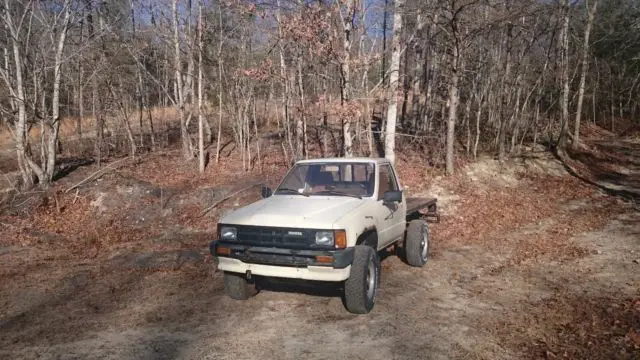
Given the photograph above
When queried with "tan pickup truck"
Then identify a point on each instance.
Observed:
(326, 221)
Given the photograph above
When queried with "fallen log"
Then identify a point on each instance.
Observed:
(98, 174)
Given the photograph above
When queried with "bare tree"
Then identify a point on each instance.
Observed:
(564, 72)
(201, 162)
(345, 73)
(19, 31)
(584, 66)
(394, 73)
(180, 96)
(454, 64)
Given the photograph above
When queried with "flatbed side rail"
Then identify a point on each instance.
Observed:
(425, 208)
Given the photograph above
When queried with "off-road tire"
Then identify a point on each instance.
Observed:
(237, 287)
(414, 247)
(359, 298)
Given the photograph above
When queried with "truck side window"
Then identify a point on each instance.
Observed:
(387, 181)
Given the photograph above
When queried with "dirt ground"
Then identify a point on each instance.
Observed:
(527, 262)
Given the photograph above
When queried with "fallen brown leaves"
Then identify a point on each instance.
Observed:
(75, 230)
(73, 226)
(526, 222)
(572, 327)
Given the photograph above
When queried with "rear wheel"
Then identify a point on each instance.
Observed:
(417, 243)
(237, 287)
(361, 287)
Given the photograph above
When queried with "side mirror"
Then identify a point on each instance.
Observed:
(392, 196)
(266, 192)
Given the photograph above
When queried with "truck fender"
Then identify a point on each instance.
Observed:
(369, 237)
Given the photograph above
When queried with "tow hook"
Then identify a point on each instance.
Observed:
(248, 274)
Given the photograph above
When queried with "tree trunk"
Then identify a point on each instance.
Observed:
(150, 118)
(467, 116)
(345, 77)
(480, 104)
(201, 162)
(184, 133)
(583, 74)
(80, 86)
(255, 127)
(383, 67)
(21, 138)
(564, 56)
(302, 122)
(505, 93)
(96, 114)
(392, 100)
(285, 81)
(219, 137)
(125, 117)
(453, 108)
(416, 98)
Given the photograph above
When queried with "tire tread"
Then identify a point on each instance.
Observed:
(412, 249)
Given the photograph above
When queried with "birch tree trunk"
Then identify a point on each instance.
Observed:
(416, 98)
(219, 137)
(184, 133)
(345, 76)
(453, 108)
(394, 72)
(301, 128)
(80, 85)
(52, 143)
(285, 81)
(585, 64)
(200, 93)
(17, 91)
(564, 57)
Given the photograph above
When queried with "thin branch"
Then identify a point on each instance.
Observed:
(228, 196)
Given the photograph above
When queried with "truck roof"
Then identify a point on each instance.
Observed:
(345, 160)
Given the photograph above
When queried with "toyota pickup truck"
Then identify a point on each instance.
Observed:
(327, 221)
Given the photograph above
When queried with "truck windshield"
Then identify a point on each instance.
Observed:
(334, 179)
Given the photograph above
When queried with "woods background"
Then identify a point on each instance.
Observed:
(446, 79)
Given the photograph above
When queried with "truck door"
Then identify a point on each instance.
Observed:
(393, 215)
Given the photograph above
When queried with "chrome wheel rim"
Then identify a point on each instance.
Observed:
(424, 243)
(371, 280)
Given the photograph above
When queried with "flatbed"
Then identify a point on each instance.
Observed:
(421, 207)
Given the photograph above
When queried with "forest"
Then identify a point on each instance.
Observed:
(328, 78)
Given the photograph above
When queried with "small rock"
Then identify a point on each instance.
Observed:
(598, 252)
(637, 261)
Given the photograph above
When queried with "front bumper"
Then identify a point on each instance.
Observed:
(285, 263)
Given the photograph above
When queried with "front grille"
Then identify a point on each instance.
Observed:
(290, 238)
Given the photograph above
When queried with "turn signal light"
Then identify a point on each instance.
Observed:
(223, 251)
(324, 259)
(340, 239)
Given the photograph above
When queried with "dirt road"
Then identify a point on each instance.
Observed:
(534, 268)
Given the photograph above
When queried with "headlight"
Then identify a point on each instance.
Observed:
(324, 238)
(228, 233)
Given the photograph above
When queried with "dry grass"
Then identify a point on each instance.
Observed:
(161, 117)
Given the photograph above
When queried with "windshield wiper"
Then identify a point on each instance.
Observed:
(291, 191)
(339, 193)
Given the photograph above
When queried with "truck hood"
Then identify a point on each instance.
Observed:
(315, 212)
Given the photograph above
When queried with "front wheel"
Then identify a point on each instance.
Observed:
(361, 287)
(237, 287)
(417, 243)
